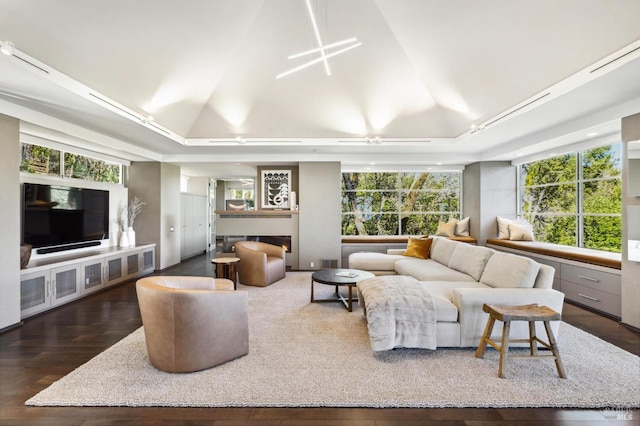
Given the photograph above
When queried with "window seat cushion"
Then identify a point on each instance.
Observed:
(579, 254)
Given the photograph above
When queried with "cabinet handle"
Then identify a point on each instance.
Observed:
(588, 297)
(589, 278)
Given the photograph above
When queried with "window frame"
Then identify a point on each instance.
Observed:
(579, 184)
(62, 172)
(401, 193)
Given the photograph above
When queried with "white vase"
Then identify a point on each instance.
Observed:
(124, 239)
(293, 200)
(131, 236)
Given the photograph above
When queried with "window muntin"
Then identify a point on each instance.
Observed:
(575, 199)
(398, 203)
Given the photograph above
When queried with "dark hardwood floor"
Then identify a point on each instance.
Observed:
(49, 346)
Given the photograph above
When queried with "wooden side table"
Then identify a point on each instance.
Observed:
(226, 267)
(530, 313)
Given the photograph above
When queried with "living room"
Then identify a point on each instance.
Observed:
(400, 112)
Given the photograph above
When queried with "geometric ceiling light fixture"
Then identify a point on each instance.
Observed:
(321, 49)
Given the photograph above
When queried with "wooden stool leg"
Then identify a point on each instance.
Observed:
(533, 345)
(504, 349)
(485, 337)
(554, 349)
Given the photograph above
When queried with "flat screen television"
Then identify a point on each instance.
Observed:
(57, 217)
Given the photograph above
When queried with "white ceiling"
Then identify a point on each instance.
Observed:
(537, 74)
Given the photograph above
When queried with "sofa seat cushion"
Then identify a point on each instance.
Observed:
(369, 261)
(470, 259)
(443, 291)
(505, 270)
(446, 311)
(428, 270)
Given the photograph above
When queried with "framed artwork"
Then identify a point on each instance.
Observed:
(276, 186)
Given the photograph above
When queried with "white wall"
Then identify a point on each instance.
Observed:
(9, 221)
(320, 233)
(198, 186)
(630, 270)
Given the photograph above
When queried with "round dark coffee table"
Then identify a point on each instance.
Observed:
(337, 278)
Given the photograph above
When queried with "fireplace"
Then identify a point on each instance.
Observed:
(276, 240)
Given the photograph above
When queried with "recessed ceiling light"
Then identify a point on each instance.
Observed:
(372, 163)
(592, 134)
(7, 48)
(438, 164)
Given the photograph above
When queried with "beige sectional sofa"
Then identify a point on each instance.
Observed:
(437, 302)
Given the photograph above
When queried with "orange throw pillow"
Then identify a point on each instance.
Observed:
(418, 247)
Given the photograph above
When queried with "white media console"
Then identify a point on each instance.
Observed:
(51, 282)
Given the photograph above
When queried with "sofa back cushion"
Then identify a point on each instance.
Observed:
(429, 270)
(470, 259)
(442, 249)
(505, 270)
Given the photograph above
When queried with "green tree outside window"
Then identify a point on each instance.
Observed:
(42, 160)
(575, 199)
(398, 203)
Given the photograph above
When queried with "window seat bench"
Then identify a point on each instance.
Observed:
(590, 278)
(579, 254)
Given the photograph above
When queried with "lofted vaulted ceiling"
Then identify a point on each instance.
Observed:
(532, 74)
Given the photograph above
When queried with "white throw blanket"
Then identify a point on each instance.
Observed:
(400, 313)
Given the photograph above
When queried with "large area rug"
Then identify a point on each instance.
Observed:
(310, 355)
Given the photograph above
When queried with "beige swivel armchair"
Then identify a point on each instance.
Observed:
(260, 264)
(189, 325)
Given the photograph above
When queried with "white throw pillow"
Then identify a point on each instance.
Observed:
(470, 259)
(503, 228)
(505, 270)
(447, 229)
(521, 232)
(462, 227)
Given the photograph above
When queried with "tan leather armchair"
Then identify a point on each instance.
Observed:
(191, 326)
(260, 264)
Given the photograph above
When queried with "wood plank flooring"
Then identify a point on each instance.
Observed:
(49, 346)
